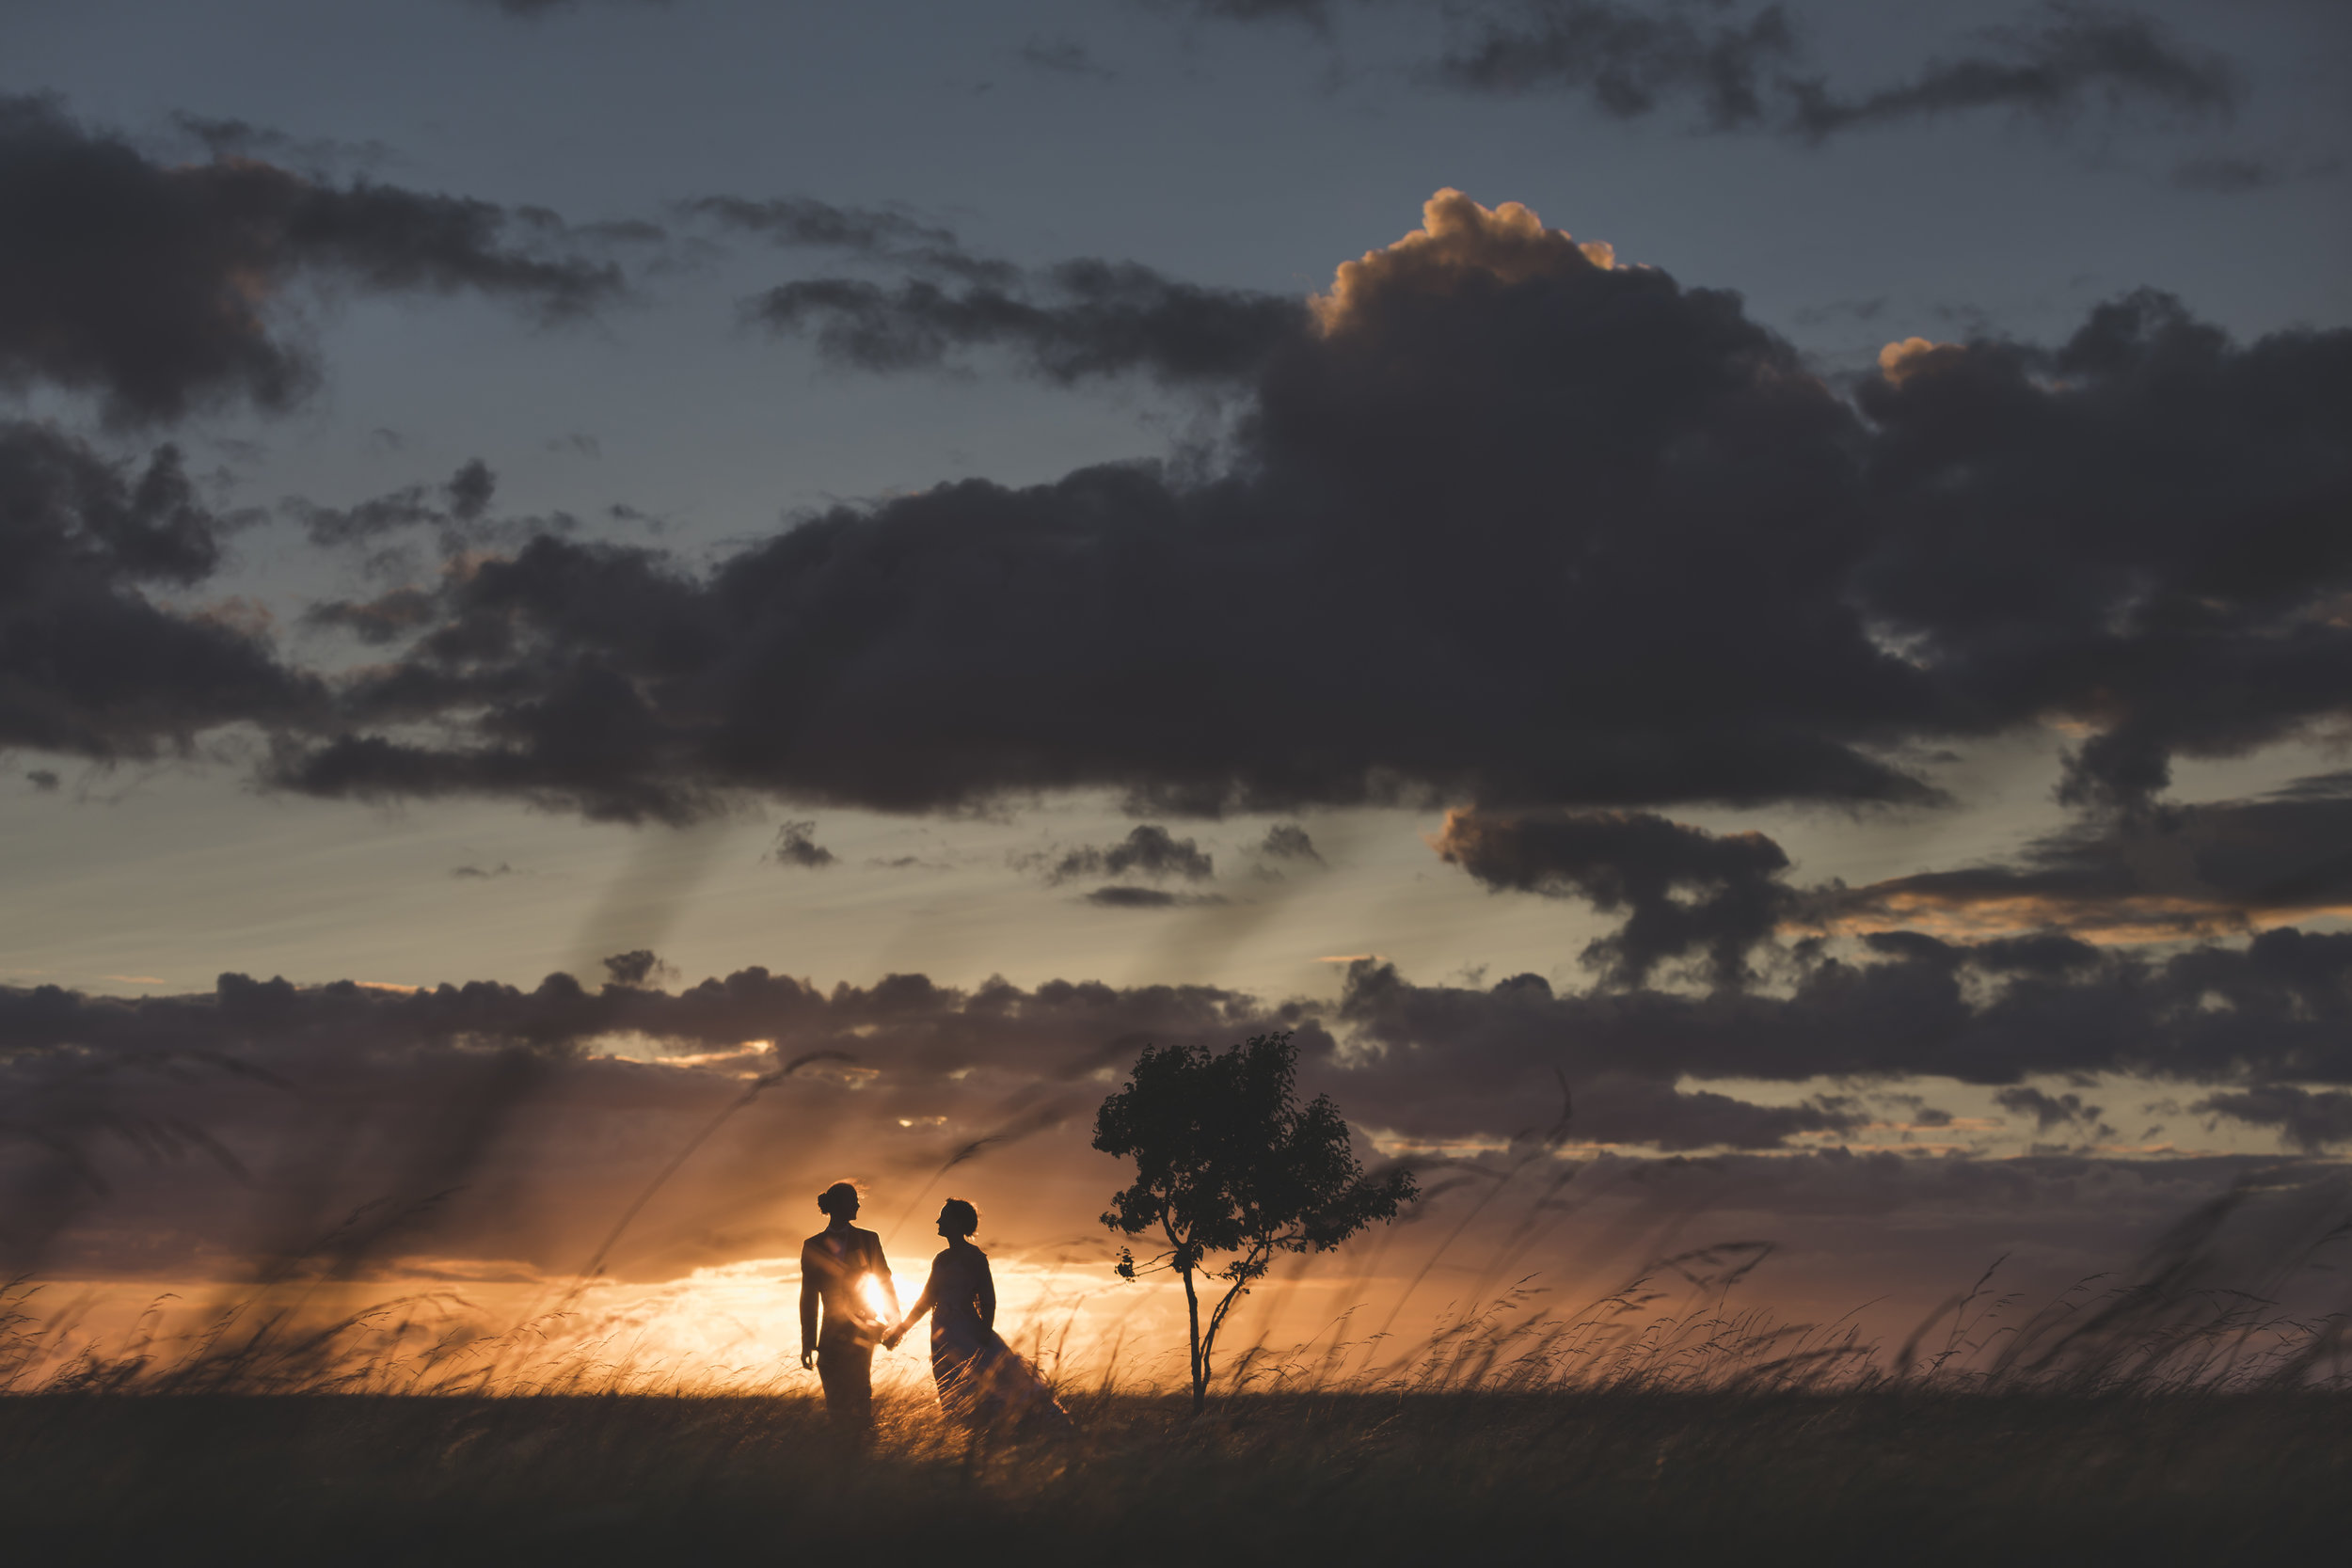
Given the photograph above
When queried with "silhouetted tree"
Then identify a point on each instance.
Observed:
(1226, 1161)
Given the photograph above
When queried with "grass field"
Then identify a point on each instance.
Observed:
(1851, 1477)
(2163, 1416)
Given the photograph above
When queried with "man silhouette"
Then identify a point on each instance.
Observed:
(835, 1264)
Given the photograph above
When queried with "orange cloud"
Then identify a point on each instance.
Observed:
(1457, 238)
(1897, 360)
(2119, 920)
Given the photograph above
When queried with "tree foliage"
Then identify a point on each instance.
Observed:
(1227, 1161)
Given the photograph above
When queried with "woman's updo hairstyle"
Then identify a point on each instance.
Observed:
(959, 1217)
(839, 1199)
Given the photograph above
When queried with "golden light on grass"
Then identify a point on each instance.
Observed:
(1674, 1325)
(453, 1326)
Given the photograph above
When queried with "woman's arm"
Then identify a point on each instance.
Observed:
(986, 1298)
(808, 1311)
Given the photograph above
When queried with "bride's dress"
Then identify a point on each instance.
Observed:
(982, 1384)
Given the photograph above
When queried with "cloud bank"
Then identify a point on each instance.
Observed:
(493, 1117)
(159, 288)
(1504, 523)
(94, 660)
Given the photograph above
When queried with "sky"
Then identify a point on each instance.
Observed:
(1782, 573)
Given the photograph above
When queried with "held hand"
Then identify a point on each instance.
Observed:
(808, 1359)
(890, 1340)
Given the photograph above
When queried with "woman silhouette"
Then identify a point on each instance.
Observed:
(838, 1267)
(983, 1386)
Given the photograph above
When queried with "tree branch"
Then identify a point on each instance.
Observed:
(1245, 1271)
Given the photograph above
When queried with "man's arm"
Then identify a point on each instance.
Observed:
(881, 1271)
(924, 1303)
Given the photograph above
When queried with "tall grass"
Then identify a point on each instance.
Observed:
(2173, 1414)
(2179, 1322)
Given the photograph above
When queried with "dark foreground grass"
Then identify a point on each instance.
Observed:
(1876, 1477)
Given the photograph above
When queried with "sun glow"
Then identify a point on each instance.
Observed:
(731, 1327)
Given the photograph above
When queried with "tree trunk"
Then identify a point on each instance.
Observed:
(1200, 1365)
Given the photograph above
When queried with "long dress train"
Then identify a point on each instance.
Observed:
(983, 1385)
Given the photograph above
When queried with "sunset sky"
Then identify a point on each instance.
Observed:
(1786, 571)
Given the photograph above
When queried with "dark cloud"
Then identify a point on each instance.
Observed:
(431, 1111)
(796, 845)
(2048, 1110)
(1288, 841)
(469, 490)
(903, 863)
(1132, 898)
(2309, 1120)
(1921, 1113)
(2149, 545)
(639, 966)
(883, 235)
(482, 1116)
(411, 506)
(158, 287)
(42, 778)
(2271, 1011)
(1492, 467)
(2053, 67)
(90, 663)
(1685, 892)
(483, 873)
(2182, 870)
(386, 618)
(450, 506)
(1117, 898)
(1066, 323)
(805, 221)
(478, 1119)
(1617, 1109)
(224, 138)
(1626, 58)
(1148, 850)
(1489, 475)
(1744, 68)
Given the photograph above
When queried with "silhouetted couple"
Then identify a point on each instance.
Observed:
(983, 1386)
